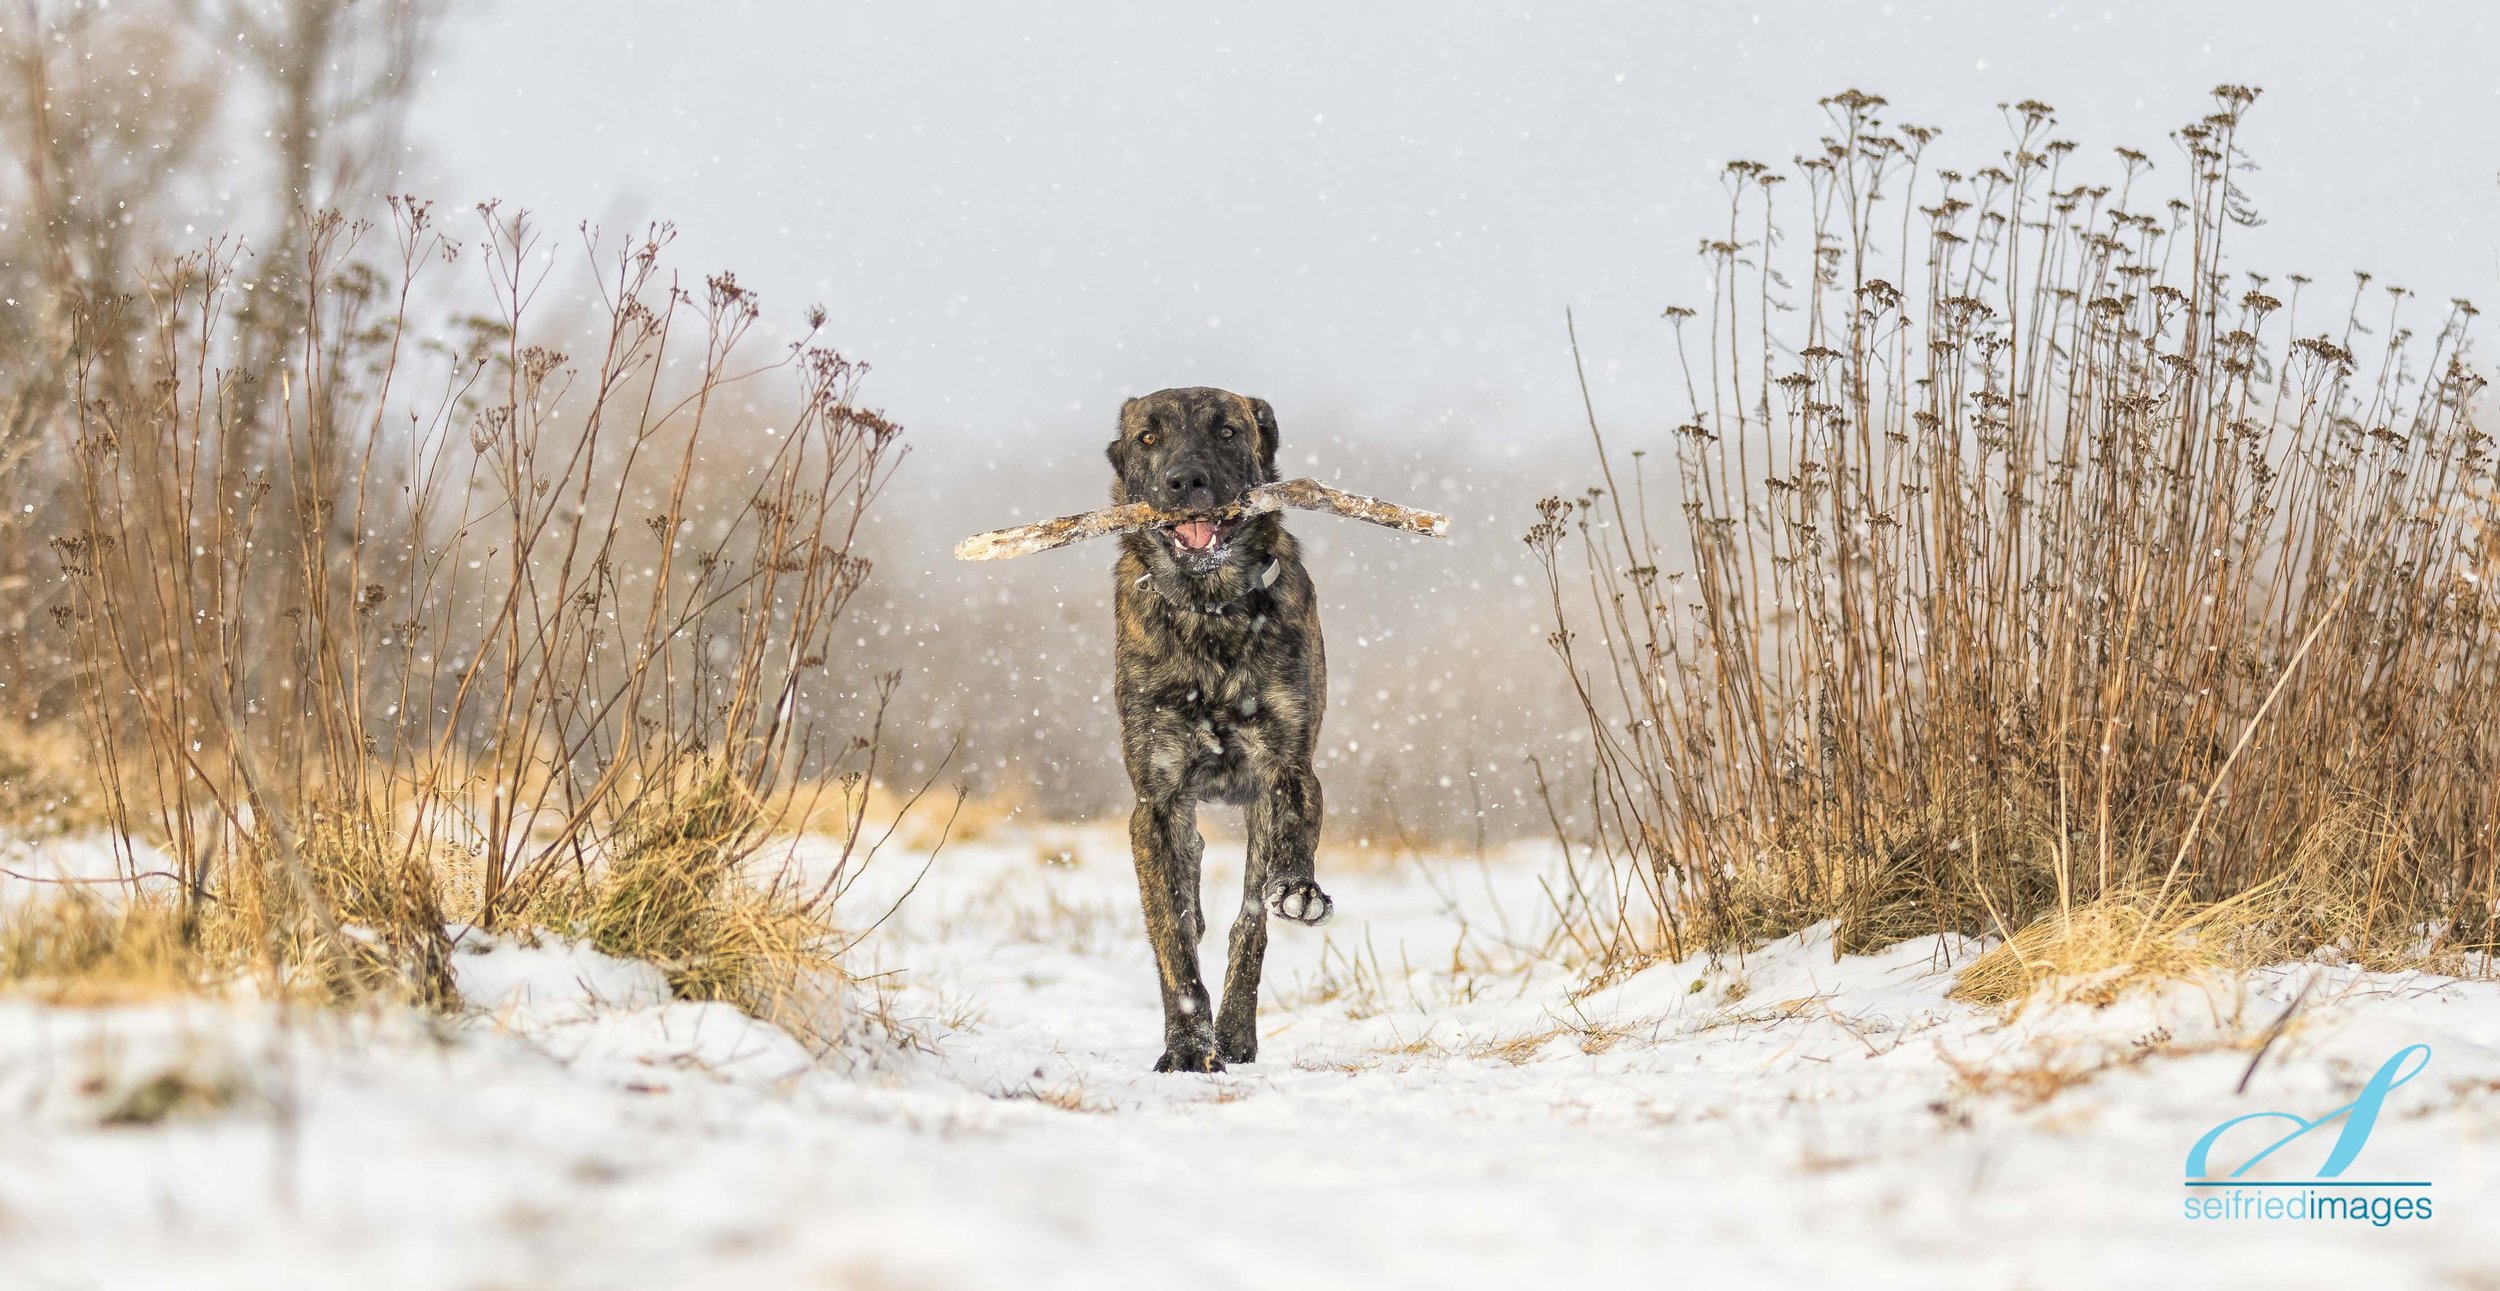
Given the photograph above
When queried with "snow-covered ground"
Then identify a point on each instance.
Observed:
(1436, 1105)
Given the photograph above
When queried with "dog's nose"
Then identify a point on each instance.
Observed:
(1189, 490)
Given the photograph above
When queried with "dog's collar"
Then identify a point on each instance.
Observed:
(1268, 574)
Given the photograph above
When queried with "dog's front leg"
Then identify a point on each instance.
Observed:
(1237, 1025)
(1276, 879)
(1163, 837)
(1292, 811)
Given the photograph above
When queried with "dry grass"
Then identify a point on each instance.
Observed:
(45, 786)
(80, 948)
(2098, 951)
(2022, 565)
(369, 924)
(342, 918)
(675, 892)
(2040, 1075)
(364, 601)
(380, 635)
(2037, 1074)
(1071, 1097)
(2341, 903)
(1516, 1050)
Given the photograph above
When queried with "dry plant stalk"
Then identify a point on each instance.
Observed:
(396, 631)
(1307, 495)
(2019, 555)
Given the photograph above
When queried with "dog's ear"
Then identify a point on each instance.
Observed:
(1265, 440)
(1131, 422)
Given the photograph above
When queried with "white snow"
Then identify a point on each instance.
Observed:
(549, 972)
(1436, 1104)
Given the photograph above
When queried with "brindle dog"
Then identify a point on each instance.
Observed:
(1221, 682)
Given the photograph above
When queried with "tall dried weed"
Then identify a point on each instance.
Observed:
(2024, 565)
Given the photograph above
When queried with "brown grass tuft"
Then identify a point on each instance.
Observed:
(77, 947)
(2100, 951)
(677, 893)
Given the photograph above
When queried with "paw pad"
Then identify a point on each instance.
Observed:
(1299, 900)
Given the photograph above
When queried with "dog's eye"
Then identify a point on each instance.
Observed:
(1149, 439)
(1227, 428)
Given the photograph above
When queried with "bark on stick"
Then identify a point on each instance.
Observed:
(1303, 495)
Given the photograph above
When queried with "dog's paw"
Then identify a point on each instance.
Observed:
(1299, 900)
(1189, 1059)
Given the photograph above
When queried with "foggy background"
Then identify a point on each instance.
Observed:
(1375, 217)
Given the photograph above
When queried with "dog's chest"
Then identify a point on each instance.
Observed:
(1222, 672)
(1212, 704)
(1214, 662)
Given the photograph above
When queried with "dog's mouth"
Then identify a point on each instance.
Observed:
(1199, 542)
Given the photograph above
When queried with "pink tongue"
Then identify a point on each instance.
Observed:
(1197, 535)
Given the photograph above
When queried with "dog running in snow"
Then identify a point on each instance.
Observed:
(1221, 682)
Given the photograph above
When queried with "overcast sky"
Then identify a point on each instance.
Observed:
(1021, 212)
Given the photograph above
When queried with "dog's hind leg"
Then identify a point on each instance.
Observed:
(1163, 837)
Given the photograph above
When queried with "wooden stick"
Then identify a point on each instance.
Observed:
(1306, 495)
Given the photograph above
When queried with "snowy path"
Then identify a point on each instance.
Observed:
(1431, 1109)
